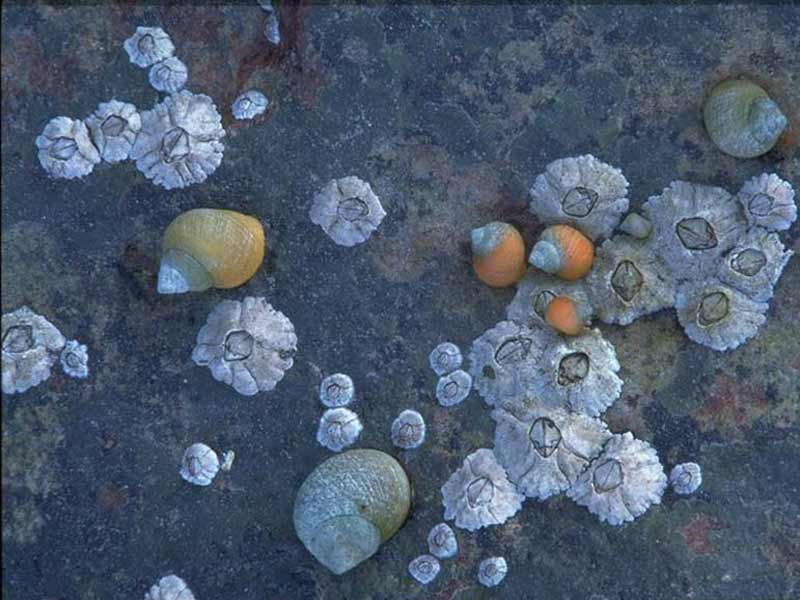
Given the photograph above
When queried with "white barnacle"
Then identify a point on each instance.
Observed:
(199, 465)
(65, 148)
(622, 482)
(636, 225)
(544, 450)
(248, 345)
(170, 587)
(336, 390)
(179, 143)
(479, 494)
(347, 210)
(148, 46)
(75, 360)
(453, 388)
(445, 358)
(536, 290)
(693, 226)
(716, 315)
(583, 192)
(629, 280)
(580, 373)
(442, 541)
(424, 568)
(248, 105)
(338, 429)
(408, 430)
(31, 345)
(685, 478)
(114, 126)
(492, 571)
(768, 202)
(755, 264)
(169, 75)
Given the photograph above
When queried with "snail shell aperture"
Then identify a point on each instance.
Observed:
(349, 505)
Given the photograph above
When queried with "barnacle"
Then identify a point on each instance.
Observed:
(336, 390)
(31, 345)
(442, 541)
(579, 373)
(75, 360)
(114, 126)
(755, 264)
(479, 493)
(544, 450)
(424, 568)
(338, 428)
(492, 571)
(179, 143)
(347, 210)
(148, 46)
(536, 290)
(583, 192)
(170, 587)
(199, 465)
(636, 226)
(445, 358)
(65, 148)
(453, 388)
(716, 315)
(622, 482)
(408, 430)
(685, 478)
(246, 344)
(169, 75)
(768, 202)
(693, 226)
(629, 280)
(248, 105)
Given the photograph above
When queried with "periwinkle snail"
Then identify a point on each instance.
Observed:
(498, 254)
(349, 505)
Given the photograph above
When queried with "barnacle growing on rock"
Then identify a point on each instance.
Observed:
(716, 315)
(179, 143)
(492, 571)
(338, 429)
(768, 202)
(248, 105)
(75, 360)
(629, 280)
(442, 541)
(445, 358)
(453, 388)
(685, 478)
(479, 493)
(114, 126)
(583, 192)
(622, 482)
(336, 390)
(246, 344)
(347, 210)
(636, 226)
(65, 148)
(408, 430)
(544, 450)
(148, 46)
(169, 75)
(199, 465)
(424, 568)
(755, 264)
(536, 290)
(170, 587)
(31, 345)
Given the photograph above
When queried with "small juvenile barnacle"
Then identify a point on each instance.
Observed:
(536, 290)
(693, 226)
(248, 105)
(629, 280)
(114, 126)
(408, 430)
(338, 429)
(248, 345)
(442, 541)
(445, 358)
(583, 192)
(479, 494)
(492, 571)
(148, 46)
(347, 210)
(544, 450)
(716, 315)
(199, 465)
(622, 482)
(170, 587)
(31, 345)
(65, 148)
(636, 226)
(424, 568)
(75, 360)
(579, 373)
(336, 390)
(685, 478)
(169, 75)
(179, 143)
(755, 264)
(453, 388)
(768, 202)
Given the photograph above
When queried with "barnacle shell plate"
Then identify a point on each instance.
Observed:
(114, 126)
(31, 345)
(347, 210)
(65, 148)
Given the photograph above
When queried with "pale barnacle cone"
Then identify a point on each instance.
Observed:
(347, 210)
(336, 390)
(114, 126)
(148, 45)
(445, 358)
(65, 148)
(583, 192)
(248, 105)
(199, 465)
(536, 290)
(755, 264)
(424, 568)
(622, 482)
(408, 430)
(442, 542)
(768, 202)
(338, 429)
(169, 75)
(686, 478)
(31, 346)
(453, 388)
(492, 571)
(75, 360)
(170, 587)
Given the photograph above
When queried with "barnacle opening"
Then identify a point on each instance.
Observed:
(748, 262)
(760, 204)
(451, 389)
(18, 339)
(608, 476)
(488, 372)
(408, 434)
(441, 537)
(480, 492)
(194, 466)
(425, 567)
(573, 368)
(73, 360)
(352, 209)
(685, 478)
(513, 350)
(714, 307)
(545, 436)
(696, 233)
(238, 345)
(489, 568)
(146, 44)
(333, 391)
(579, 201)
(63, 148)
(541, 300)
(113, 125)
(627, 280)
(175, 145)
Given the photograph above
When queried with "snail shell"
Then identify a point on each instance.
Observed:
(563, 251)
(349, 505)
(206, 247)
(742, 120)
(567, 316)
(498, 254)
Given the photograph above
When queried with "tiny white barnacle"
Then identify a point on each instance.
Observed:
(479, 493)
(248, 105)
(424, 568)
(227, 460)
(492, 571)
(170, 587)
(66, 149)
(338, 429)
(148, 46)
(408, 430)
(583, 192)
(336, 390)
(755, 264)
(685, 478)
(768, 202)
(75, 360)
(445, 358)
(635, 225)
(453, 388)
(114, 126)
(169, 75)
(536, 290)
(347, 210)
(199, 465)
(442, 541)
(31, 345)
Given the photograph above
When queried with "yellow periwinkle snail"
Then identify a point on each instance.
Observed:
(208, 247)
(349, 505)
